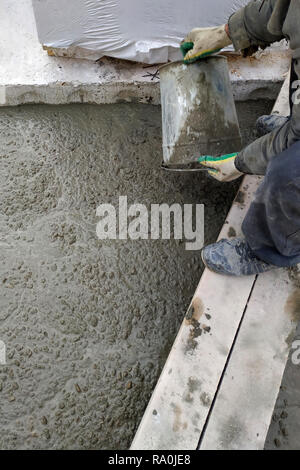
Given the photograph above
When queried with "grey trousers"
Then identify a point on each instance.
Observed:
(272, 224)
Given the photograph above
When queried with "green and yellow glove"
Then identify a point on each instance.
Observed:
(221, 168)
(202, 42)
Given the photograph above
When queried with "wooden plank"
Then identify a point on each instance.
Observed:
(181, 401)
(245, 402)
(243, 410)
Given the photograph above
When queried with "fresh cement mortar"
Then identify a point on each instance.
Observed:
(87, 323)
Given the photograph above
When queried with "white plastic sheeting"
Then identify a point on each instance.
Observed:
(148, 31)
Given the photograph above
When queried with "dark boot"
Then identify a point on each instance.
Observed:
(233, 258)
(267, 124)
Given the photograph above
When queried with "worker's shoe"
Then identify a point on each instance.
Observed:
(268, 123)
(233, 258)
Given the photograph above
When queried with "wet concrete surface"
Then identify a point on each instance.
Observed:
(88, 324)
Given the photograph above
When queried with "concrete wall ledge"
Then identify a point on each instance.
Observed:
(29, 75)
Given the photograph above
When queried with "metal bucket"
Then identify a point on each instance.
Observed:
(198, 111)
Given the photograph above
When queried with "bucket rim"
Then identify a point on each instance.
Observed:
(180, 62)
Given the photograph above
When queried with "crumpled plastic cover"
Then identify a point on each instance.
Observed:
(148, 31)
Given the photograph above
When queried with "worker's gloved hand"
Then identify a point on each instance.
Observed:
(221, 168)
(201, 42)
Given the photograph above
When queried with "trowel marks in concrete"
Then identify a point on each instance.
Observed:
(87, 324)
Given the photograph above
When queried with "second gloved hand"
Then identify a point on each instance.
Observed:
(201, 42)
(221, 168)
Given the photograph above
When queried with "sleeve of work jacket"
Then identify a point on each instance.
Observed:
(262, 23)
(249, 26)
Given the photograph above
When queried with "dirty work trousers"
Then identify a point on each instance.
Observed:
(272, 224)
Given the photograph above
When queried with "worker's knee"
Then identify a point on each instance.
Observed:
(284, 168)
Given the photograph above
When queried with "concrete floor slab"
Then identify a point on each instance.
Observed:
(87, 323)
